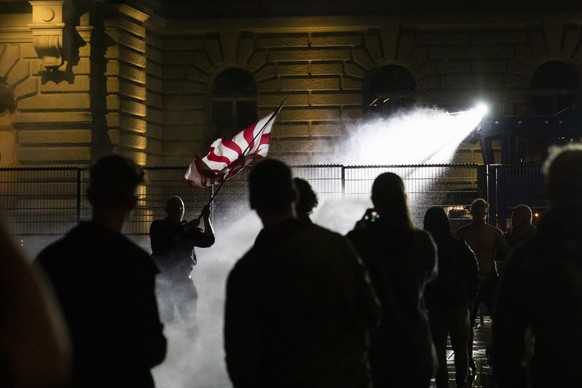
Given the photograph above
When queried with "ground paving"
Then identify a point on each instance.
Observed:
(483, 377)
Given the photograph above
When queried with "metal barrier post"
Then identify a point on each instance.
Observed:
(492, 184)
(79, 176)
(343, 181)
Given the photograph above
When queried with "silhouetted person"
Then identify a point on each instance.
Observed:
(450, 296)
(401, 260)
(307, 199)
(521, 227)
(298, 305)
(540, 292)
(173, 240)
(106, 286)
(488, 243)
(35, 350)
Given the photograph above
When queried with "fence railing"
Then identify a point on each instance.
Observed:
(42, 204)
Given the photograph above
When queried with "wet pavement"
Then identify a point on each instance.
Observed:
(483, 376)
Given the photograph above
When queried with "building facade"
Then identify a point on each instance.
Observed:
(159, 81)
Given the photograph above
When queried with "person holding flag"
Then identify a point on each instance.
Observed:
(173, 241)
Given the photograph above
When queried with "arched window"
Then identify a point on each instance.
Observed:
(554, 86)
(233, 103)
(389, 89)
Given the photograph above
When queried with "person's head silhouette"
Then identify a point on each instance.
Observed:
(563, 170)
(271, 188)
(389, 199)
(307, 198)
(436, 222)
(112, 190)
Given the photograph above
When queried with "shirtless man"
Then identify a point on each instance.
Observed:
(486, 241)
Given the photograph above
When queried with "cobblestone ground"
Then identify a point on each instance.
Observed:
(483, 377)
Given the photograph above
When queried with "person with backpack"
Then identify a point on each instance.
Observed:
(450, 296)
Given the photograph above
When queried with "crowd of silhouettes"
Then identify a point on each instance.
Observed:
(305, 306)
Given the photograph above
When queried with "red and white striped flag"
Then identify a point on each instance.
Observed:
(227, 158)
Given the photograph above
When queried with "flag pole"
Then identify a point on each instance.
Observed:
(273, 115)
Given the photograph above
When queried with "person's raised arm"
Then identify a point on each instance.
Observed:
(203, 239)
(208, 230)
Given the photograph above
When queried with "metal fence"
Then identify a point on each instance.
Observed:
(42, 204)
(509, 186)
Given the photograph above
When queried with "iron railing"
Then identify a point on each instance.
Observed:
(42, 204)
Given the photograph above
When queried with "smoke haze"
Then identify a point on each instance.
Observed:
(421, 137)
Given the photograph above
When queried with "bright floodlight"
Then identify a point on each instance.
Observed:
(482, 109)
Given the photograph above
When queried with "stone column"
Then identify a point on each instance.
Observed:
(124, 74)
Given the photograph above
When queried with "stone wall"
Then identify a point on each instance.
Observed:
(51, 124)
(189, 61)
(91, 105)
(125, 77)
(154, 95)
(142, 85)
(320, 67)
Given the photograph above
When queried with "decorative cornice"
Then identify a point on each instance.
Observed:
(15, 35)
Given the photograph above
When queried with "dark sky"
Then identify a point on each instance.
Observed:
(265, 8)
(252, 8)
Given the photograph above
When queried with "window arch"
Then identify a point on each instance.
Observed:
(233, 103)
(554, 86)
(389, 89)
